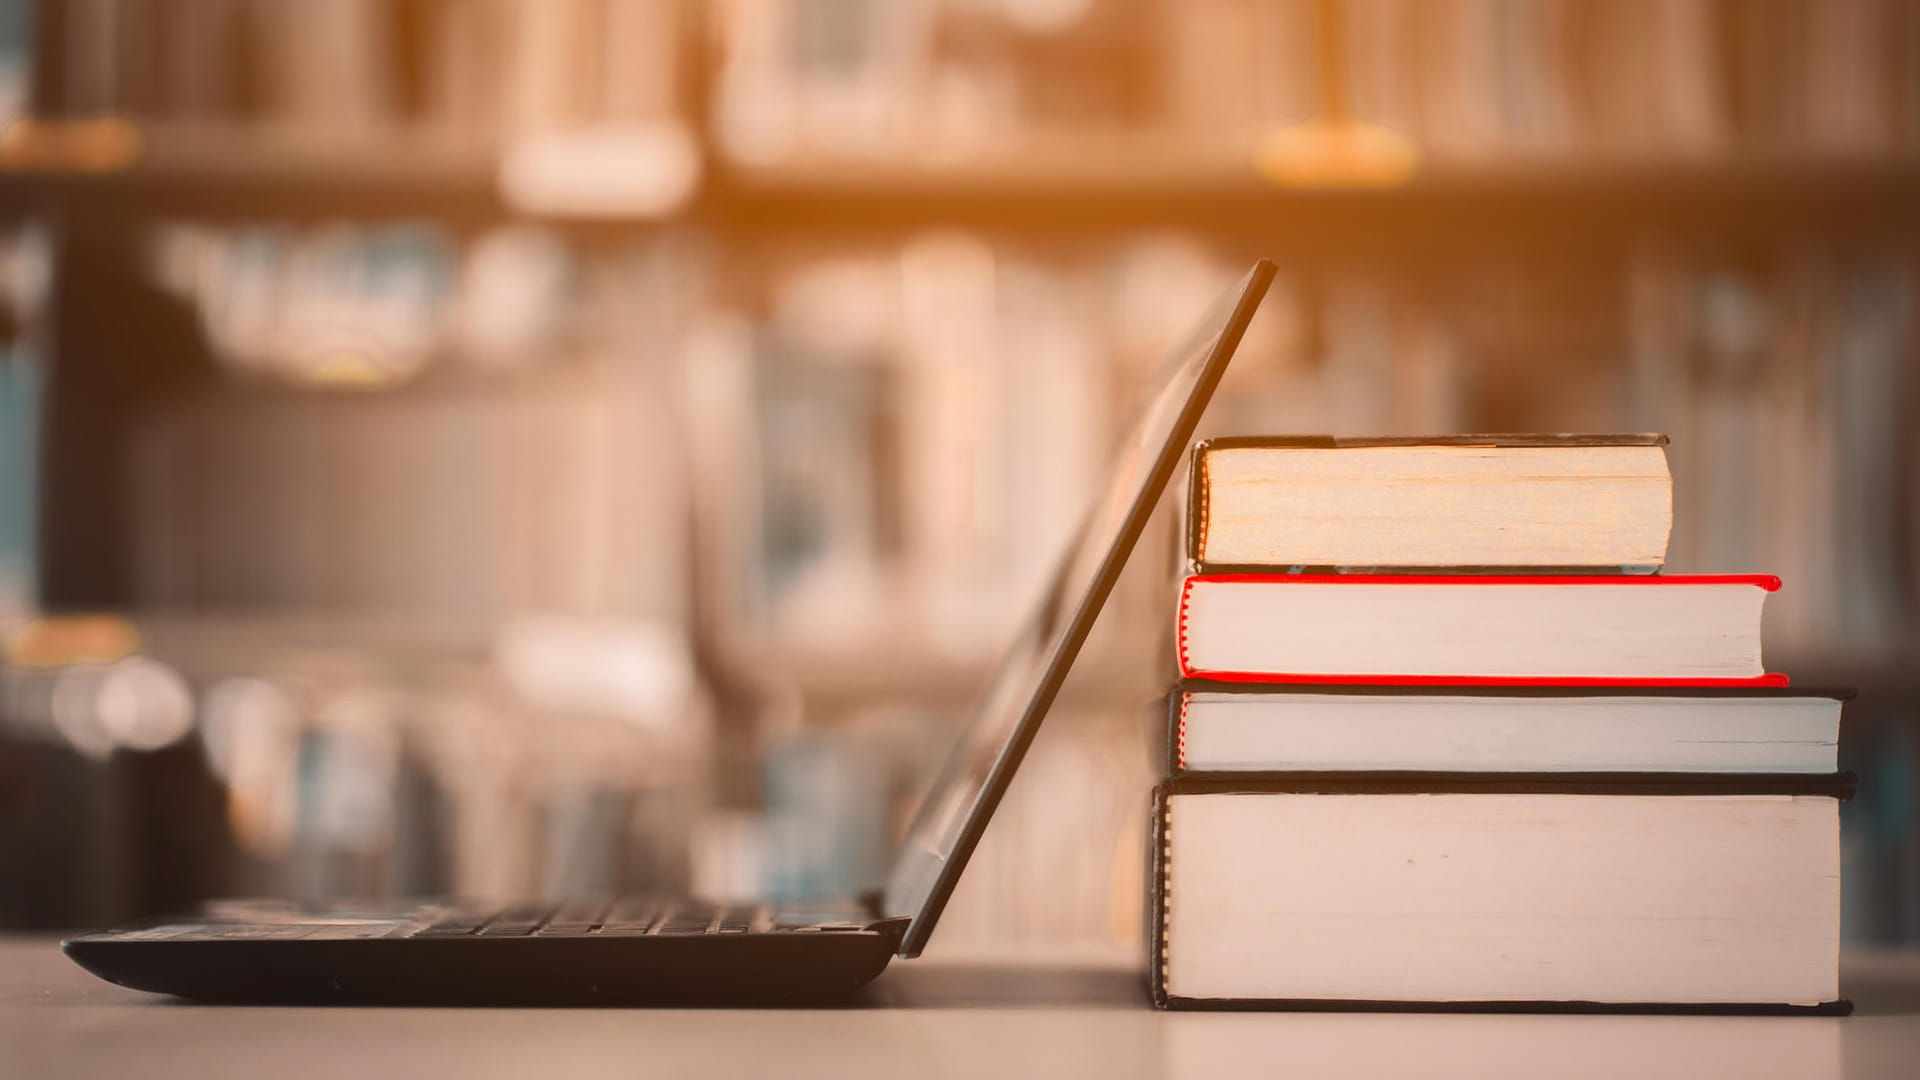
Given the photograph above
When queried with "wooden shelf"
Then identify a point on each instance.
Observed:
(1541, 206)
(1055, 187)
(231, 173)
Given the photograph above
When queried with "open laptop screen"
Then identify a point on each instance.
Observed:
(1008, 712)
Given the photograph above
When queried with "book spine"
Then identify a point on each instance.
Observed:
(1181, 613)
(1160, 895)
(1199, 503)
(1178, 704)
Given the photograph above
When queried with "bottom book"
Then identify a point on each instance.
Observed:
(1710, 894)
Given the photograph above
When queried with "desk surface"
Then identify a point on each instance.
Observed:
(1078, 1015)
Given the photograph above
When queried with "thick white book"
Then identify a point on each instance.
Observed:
(1498, 894)
(1241, 728)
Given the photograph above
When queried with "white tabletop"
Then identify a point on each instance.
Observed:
(1066, 1016)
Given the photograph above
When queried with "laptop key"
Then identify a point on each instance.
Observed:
(508, 929)
(517, 920)
(737, 920)
(453, 924)
(697, 925)
(573, 929)
(259, 933)
(632, 913)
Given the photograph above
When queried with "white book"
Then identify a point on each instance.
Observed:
(1498, 899)
(1693, 630)
(1594, 502)
(1223, 728)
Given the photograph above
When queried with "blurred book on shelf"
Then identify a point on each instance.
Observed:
(1466, 81)
(352, 68)
(19, 419)
(901, 449)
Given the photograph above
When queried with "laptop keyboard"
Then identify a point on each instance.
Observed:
(625, 917)
(634, 916)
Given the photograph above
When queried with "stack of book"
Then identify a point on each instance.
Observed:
(1445, 737)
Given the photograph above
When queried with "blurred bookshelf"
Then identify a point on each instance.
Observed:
(765, 348)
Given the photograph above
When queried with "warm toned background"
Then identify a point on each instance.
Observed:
(517, 448)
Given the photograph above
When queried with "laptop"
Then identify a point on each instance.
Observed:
(681, 950)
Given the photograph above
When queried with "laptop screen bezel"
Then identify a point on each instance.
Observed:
(1065, 643)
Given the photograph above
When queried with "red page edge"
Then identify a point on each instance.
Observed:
(1765, 581)
(1772, 678)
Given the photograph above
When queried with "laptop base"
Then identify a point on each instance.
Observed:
(290, 960)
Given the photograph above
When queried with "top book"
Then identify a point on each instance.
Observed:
(1563, 503)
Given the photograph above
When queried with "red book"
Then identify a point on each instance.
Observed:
(1682, 630)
